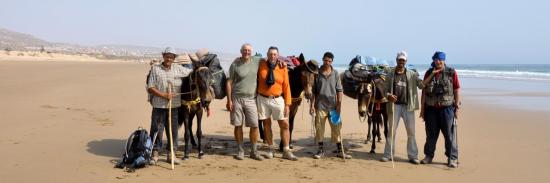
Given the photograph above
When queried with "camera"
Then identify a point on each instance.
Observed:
(438, 89)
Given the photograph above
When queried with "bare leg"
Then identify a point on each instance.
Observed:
(285, 132)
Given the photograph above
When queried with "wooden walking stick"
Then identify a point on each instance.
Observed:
(172, 155)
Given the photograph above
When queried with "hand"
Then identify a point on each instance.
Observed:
(287, 109)
(208, 113)
(311, 110)
(167, 96)
(456, 112)
(435, 70)
(282, 64)
(229, 106)
(392, 98)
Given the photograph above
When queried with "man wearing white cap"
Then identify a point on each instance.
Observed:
(401, 90)
(161, 76)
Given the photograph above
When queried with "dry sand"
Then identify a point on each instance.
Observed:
(52, 57)
(68, 121)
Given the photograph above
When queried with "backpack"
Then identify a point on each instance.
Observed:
(219, 78)
(138, 150)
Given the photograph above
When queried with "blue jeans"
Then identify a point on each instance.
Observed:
(440, 119)
(400, 111)
(159, 123)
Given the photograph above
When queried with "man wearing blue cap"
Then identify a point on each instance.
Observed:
(440, 104)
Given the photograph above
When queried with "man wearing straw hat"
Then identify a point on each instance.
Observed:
(164, 84)
(327, 97)
(401, 90)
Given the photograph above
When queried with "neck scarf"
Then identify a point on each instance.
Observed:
(270, 77)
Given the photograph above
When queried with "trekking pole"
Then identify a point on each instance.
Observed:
(172, 155)
(455, 138)
(342, 146)
(392, 136)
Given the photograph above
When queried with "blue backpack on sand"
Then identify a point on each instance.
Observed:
(138, 150)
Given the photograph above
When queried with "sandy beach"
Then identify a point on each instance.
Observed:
(68, 122)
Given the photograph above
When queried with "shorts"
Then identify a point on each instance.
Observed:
(271, 108)
(244, 111)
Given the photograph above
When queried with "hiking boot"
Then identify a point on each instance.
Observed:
(343, 156)
(256, 156)
(289, 156)
(414, 161)
(385, 159)
(176, 160)
(269, 154)
(453, 163)
(240, 155)
(154, 158)
(319, 154)
(427, 160)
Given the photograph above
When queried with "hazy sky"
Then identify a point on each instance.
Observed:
(470, 31)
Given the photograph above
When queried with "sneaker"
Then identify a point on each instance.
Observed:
(319, 154)
(453, 163)
(176, 160)
(240, 155)
(256, 155)
(414, 161)
(289, 156)
(343, 155)
(269, 154)
(427, 160)
(385, 159)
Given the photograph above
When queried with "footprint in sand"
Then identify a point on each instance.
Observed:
(48, 106)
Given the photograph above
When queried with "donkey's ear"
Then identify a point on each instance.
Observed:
(302, 59)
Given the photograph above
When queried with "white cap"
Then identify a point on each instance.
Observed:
(402, 55)
(170, 50)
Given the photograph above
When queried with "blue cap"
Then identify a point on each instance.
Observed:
(439, 55)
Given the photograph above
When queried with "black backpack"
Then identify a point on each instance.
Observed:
(138, 150)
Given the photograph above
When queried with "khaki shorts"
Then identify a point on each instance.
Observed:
(271, 108)
(244, 111)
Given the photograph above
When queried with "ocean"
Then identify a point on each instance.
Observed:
(527, 72)
(516, 86)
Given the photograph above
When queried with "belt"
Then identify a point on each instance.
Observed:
(270, 97)
(440, 106)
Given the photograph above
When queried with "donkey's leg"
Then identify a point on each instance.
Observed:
(385, 121)
(186, 124)
(199, 132)
(375, 130)
(378, 123)
(191, 137)
(369, 134)
(261, 129)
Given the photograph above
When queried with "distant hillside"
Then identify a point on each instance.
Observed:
(16, 40)
(11, 40)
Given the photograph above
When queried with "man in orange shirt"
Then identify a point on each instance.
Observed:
(274, 100)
